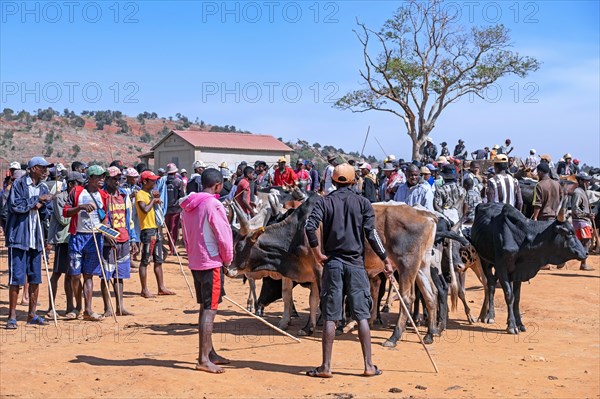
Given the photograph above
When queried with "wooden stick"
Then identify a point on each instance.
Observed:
(596, 245)
(394, 284)
(104, 275)
(46, 266)
(365, 143)
(260, 319)
(380, 146)
(179, 259)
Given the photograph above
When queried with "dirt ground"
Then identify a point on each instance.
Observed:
(152, 354)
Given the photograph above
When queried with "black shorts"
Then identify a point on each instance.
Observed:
(210, 287)
(62, 259)
(342, 279)
(151, 245)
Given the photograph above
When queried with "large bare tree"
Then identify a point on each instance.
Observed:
(428, 60)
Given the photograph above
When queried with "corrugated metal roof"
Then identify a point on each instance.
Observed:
(240, 141)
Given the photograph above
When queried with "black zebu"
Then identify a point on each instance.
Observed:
(517, 247)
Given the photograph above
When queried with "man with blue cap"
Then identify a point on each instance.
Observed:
(26, 204)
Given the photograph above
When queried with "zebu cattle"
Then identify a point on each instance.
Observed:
(517, 247)
(282, 250)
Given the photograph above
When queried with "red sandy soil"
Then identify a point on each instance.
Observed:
(153, 353)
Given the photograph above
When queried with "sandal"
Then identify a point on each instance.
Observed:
(93, 317)
(376, 373)
(72, 315)
(37, 321)
(11, 324)
(318, 374)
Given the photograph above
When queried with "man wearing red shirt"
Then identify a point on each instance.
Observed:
(284, 175)
(242, 194)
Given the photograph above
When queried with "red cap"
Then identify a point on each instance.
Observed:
(148, 175)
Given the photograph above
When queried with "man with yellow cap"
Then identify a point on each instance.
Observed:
(503, 187)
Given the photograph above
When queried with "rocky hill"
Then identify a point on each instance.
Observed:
(102, 136)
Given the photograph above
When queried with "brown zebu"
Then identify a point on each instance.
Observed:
(281, 250)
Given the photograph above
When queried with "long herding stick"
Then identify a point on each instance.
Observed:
(365, 143)
(395, 285)
(46, 265)
(380, 146)
(261, 319)
(100, 259)
(177, 253)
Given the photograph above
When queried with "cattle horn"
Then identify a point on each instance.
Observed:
(244, 224)
(562, 210)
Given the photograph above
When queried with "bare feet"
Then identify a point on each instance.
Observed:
(209, 368)
(216, 359)
(165, 291)
(107, 314)
(147, 294)
(124, 312)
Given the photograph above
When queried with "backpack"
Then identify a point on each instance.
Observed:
(173, 185)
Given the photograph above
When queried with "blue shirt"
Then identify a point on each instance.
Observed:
(421, 194)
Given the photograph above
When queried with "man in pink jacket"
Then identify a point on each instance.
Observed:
(209, 244)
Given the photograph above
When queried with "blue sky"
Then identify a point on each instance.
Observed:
(275, 67)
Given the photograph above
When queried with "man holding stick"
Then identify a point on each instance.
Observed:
(86, 206)
(347, 219)
(209, 244)
(116, 255)
(27, 202)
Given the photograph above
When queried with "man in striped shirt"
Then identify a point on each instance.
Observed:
(503, 187)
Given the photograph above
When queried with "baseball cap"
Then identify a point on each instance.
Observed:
(431, 167)
(425, 170)
(60, 167)
(38, 161)
(15, 165)
(75, 176)
(149, 175)
(183, 171)
(113, 171)
(131, 172)
(502, 158)
(95, 170)
(365, 166)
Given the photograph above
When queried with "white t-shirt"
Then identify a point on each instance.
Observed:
(86, 221)
(327, 177)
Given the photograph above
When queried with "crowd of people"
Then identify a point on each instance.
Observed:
(46, 206)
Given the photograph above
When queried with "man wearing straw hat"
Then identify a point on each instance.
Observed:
(209, 243)
(87, 208)
(26, 203)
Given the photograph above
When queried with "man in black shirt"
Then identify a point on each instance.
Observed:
(347, 219)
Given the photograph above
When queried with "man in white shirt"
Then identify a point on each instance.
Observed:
(328, 186)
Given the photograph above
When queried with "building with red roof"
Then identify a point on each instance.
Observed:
(183, 147)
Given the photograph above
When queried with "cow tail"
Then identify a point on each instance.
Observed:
(453, 279)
